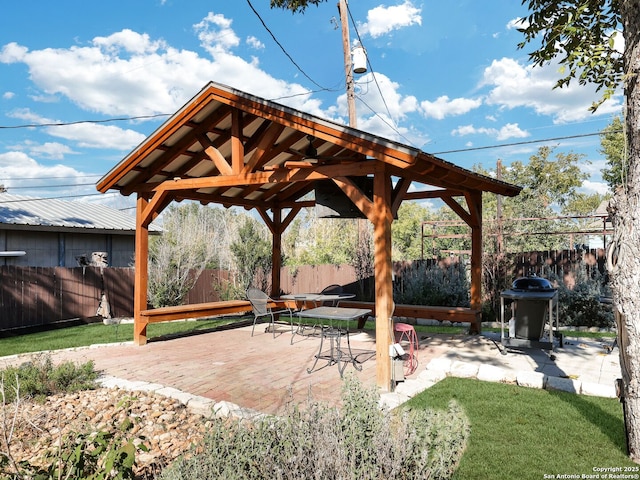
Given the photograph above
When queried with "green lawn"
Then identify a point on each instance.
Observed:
(524, 433)
(97, 333)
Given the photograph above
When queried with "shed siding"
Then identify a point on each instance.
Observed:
(52, 249)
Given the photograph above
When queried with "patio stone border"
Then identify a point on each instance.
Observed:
(195, 403)
(442, 367)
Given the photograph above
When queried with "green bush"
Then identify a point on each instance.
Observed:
(91, 456)
(579, 299)
(359, 440)
(39, 378)
(423, 284)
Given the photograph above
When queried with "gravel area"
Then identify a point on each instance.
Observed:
(164, 425)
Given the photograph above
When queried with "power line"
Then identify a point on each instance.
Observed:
(528, 142)
(52, 178)
(284, 50)
(49, 186)
(309, 92)
(56, 198)
(77, 122)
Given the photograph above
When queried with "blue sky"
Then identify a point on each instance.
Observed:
(445, 76)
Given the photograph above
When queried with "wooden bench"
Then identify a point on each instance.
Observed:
(197, 310)
(451, 314)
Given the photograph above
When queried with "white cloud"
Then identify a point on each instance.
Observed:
(513, 85)
(17, 166)
(254, 42)
(131, 74)
(444, 107)
(53, 150)
(86, 135)
(92, 135)
(129, 41)
(382, 20)
(8, 95)
(386, 98)
(517, 23)
(464, 130)
(510, 130)
(12, 53)
(589, 187)
(215, 33)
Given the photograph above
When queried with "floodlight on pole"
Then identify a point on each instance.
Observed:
(359, 58)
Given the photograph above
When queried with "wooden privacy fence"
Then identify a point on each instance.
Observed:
(38, 296)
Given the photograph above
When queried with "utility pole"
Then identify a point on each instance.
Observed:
(348, 67)
(499, 212)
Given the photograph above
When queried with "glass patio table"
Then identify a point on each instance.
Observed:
(335, 353)
(305, 300)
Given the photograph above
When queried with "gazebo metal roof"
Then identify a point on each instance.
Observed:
(283, 152)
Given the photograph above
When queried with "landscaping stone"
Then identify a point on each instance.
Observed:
(564, 384)
(410, 388)
(228, 409)
(491, 373)
(179, 395)
(432, 376)
(464, 369)
(428, 321)
(440, 364)
(598, 390)
(531, 379)
(164, 425)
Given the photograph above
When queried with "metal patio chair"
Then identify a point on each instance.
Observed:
(261, 306)
(331, 290)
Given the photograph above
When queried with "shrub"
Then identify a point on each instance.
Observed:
(38, 378)
(95, 455)
(579, 298)
(92, 456)
(321, 442)
(423, 284)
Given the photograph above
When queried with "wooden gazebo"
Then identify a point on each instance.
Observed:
(234, 149)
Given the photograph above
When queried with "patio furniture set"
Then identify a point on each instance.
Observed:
(324, 309)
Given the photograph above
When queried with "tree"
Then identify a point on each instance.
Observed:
(549, 188)
(294, 5)
(613, 145)
(252, 252)
(580, 34)
(180, 254)
(406, 231)
(320, 241)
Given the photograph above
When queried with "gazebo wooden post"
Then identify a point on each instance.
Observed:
(276, 252)
(476, 255)
(383, 276)
(141, 276)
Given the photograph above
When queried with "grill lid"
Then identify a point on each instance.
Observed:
(532, 283)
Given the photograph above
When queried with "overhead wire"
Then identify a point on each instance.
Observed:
(301, 94)
(50, 186)
(56, 177)
(40, 199)
(77, 122)
(525, 142)
(284, 50)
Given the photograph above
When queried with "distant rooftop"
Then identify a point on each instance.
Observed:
(18, 211)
